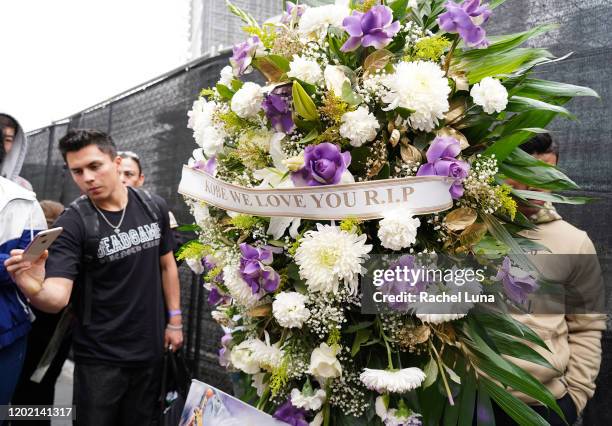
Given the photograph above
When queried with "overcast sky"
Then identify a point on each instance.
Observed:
(61, 56)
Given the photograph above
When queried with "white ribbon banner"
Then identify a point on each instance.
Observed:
(360, 200)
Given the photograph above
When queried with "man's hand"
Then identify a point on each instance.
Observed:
(173, 339)
(29, 276)
(173, 336)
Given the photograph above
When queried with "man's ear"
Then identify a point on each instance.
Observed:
(141, 180)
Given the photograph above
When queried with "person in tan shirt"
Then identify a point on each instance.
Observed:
(573, 336)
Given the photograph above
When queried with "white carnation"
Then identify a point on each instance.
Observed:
(226, 76)
(421, 87)
(359, 126)
(328, 256)
(308, 402)
(238, 288)
(315, 20)
(205, 131)
(335, 79)
(490, 94)
(398, 229)
(384, 381)
(305, 69)
(246, 102)
(289, 309)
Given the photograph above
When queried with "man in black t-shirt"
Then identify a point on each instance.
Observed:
(118, 282)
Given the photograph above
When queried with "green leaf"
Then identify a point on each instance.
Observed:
(491, 363)
(497, 230)
(349, 96)
(494, 3)
(236, 84)
(303, 104)
(506, 324)
(522, 167)
(522, 413)
(404, 112)
(504, 43)
(453, 376)
(549, 196)
(508, 345)
(431, 373)
(189, 228)
(312, 135)
(468, 397)
(484, 412)
(399, 8)
(533, 87)
(520, 104)
(361, 337)
(244, 16)
(504, 146)
(359, 326)
(224, 91)
(501, 63)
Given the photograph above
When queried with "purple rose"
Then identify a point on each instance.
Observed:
(277, 107)
(255, 269)
(373, 28)
(324, 164)
(441, 161)
(291, 414)
(465, 19)
(517, 284)
(243, 55)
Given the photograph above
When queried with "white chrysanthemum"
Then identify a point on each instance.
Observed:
(289, 309)
(398, 229)
(226, 76)
(246, 102)
(421, 87)
(359, 126)
(308, 402)
(384, 381)
(329, 255)
(205, 132)
(305, 69)
(268, 356)
(490, 94)
(237, 287)
(315, 20)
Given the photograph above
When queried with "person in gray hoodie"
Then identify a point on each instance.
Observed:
(15, 145)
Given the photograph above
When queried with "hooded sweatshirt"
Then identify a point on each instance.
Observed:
(21, 217)
(13, 161)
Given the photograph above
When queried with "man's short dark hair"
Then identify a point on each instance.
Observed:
(2, 152)
(542, 143)
(77, 139)
(8, 121)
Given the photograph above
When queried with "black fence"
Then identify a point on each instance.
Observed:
(151, 121)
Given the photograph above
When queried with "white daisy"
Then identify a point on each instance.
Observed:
(328, 256)
(383, 381)
(421, 87)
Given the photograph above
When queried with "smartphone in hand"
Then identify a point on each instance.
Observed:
(40, 243)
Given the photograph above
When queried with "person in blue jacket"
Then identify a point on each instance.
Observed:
(21, 217)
